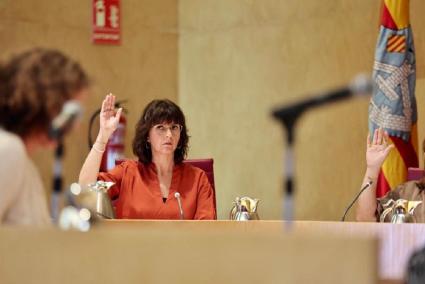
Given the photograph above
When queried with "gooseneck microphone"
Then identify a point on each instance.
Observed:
(355, 199)
(179, 201)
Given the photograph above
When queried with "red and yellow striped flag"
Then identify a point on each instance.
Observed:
(393, 104)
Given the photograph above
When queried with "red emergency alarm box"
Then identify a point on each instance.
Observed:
(106, 22)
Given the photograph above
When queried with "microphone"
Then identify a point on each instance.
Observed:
(179, 201)
(63, 121)
(360, 86)
(355, 199)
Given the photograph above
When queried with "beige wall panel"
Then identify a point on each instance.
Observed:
(142, 68)
(240, 59)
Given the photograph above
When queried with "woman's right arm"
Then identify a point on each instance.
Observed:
(377, 150)
(108, 123)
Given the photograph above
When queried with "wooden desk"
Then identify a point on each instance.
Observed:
(186, 252)
(397, 242)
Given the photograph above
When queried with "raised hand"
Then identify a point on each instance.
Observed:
(377, 150)
(108, 118)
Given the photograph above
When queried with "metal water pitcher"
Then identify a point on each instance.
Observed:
(87, 206)
(104, 207)
(244, 209)
(95, 198)
(400, 211)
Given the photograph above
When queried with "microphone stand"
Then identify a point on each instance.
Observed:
(57, 180)
(288, 120)
(288, 116)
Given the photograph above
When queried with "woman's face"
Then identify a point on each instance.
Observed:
(164, 138)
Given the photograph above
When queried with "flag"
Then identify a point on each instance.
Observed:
(393, 104)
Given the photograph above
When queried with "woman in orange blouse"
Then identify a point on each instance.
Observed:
(145, 189)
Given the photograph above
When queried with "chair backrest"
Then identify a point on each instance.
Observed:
(415, 173)
(207, 165)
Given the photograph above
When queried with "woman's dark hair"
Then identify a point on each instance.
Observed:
(34, 86)
(157, 112)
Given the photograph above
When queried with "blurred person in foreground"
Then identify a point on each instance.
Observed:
(371, 209)
(145, 189)
(34, 86)
(416, 268)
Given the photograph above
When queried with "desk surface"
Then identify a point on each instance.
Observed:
(397, 241)
(187, 252)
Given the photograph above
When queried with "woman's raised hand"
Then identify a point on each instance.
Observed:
(108, 118)
(377, 150)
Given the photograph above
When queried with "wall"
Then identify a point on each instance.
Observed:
(142, 68)
(238, 60)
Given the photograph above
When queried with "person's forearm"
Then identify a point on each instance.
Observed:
(90, 169)
(366, 206)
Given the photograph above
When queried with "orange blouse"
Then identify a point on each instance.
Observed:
(139, 196)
